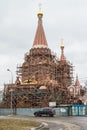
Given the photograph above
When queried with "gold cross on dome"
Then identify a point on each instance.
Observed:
(62, 41)
(40, 7)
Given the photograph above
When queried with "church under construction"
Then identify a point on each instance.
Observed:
(43, 79)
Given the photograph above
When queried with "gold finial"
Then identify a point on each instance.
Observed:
(40, 14)
(62, 51)
(62, 45)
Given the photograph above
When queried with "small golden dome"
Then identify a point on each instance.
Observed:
(40, 14)
(62, 46)
(43, 88)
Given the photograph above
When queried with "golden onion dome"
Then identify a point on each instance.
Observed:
(62, 46)
(43, 88)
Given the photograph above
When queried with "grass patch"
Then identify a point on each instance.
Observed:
(17, 124)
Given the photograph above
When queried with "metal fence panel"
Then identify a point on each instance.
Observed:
(79, 110)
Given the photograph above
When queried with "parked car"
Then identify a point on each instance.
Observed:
(45, 112)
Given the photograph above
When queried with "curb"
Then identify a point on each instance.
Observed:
(43, 125)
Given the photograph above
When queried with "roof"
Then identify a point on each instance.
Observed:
(77, 83)
(40, 39)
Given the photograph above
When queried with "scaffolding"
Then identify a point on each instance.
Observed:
(44, 79)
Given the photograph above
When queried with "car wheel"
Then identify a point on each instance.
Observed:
(51, 115)
(40, 115)
(35, 115)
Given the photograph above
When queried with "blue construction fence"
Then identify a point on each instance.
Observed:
(72, 110)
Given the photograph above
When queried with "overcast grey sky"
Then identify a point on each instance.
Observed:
(62, 19)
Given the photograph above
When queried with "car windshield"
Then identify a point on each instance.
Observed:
(46, 109)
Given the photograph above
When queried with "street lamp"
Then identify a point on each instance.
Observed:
(11, 75)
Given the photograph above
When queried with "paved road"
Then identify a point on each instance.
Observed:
(64, 123)
(81, 121)
(59, 123)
